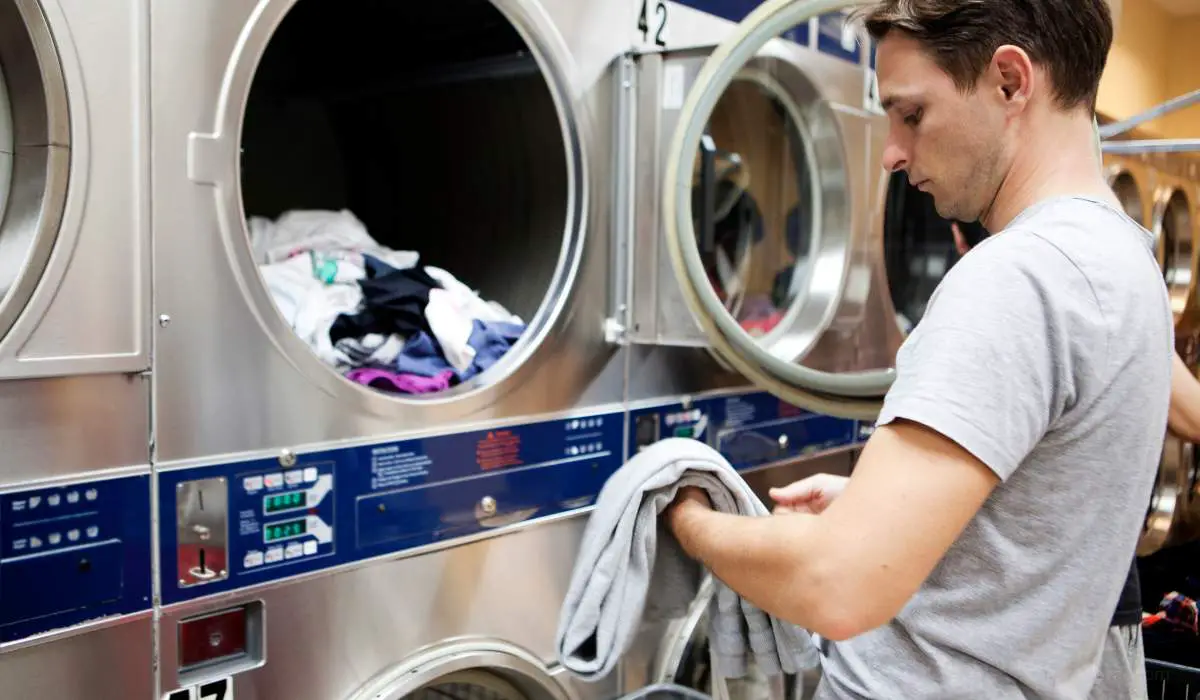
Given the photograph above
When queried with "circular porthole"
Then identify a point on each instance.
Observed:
(1125, 187)
(463, 670)
(920, 247)
(1173, 229)
(414, 205)
(754, 206)
(34, 153)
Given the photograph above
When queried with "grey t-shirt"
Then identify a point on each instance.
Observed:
(1045, 352)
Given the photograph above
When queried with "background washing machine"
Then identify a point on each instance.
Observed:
(75, 555)
(306, 155)
(1133, 183)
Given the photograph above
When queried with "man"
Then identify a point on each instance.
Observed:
(980, 546)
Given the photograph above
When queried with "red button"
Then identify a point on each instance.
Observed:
(216, 636)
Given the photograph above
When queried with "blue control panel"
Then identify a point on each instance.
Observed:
(750, 430)
(70, 554)
(228, 526)
(827, 28)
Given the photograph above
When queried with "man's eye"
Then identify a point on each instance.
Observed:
(914, 118)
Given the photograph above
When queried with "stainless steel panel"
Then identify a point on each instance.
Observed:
(110, 663)
(230, 376)
(54, 428)
(89, 311)
(327, 636)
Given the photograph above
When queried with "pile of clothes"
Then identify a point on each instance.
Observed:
(373, 313)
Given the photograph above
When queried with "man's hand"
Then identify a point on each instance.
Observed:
(688, 500)
(812, 495)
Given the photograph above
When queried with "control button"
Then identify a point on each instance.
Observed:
(310, 474)
(293, 550)
(310, 548)
(91, 494)
(35, 542)
(73, 497)
(294, 477)
(54, 538)
(252, 559)
(274, 554)
(19, 545)
(93, 532)
(53, 500)
(273, 481)
(252, 483)
(18, 505)
(599, 422)
(73, 535)
(34, 502)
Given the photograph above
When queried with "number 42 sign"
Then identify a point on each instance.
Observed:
(221, 689)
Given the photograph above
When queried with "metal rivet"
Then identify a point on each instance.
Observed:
(287, 458)
(783, 441)
(164, 320)
(488, 505)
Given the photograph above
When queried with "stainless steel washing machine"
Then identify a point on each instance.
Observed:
(75, 584)
(763, 246)
(332, 535)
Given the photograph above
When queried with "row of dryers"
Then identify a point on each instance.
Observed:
(324, 323)
(1161, 191)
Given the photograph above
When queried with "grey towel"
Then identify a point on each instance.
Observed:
(630, 568)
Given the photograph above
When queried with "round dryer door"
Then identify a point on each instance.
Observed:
(683, 659)
(34, 153)
(1174, 233)
(465, 670)
(758, 215)
(415, 208)
(1129, 193)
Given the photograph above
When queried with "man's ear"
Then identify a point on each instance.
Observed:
(1011, 76)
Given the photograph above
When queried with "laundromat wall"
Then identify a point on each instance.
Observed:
(205, 495)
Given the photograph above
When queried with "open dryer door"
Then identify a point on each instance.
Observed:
(816, 283)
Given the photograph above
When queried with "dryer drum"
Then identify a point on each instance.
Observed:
(34, 153)
(408, 188)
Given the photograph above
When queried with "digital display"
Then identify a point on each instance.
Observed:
(285, 530)
(284, 501)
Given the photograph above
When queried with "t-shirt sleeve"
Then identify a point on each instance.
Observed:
(989, 364)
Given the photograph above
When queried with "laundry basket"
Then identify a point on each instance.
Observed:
(1168, 681)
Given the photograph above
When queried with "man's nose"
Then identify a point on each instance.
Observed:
(894, 157)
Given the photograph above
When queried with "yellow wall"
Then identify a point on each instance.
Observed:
(1154, 57)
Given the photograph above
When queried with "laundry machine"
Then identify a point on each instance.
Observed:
(1132, 182)
(75, 555)
(383, 397)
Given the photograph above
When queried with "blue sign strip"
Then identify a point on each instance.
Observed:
(829, 27)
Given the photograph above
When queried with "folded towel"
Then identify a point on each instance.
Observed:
(631, 569)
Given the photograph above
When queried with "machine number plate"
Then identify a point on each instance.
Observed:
(652, 21)
(220, 689)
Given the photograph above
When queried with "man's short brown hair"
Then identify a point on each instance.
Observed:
(1069, 38)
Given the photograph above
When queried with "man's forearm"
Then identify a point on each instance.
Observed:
(1183, 419)
(781, 567)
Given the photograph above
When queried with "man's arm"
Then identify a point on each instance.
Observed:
(1183, 419)
(855, 566)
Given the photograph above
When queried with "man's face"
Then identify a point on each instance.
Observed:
(950, 144)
